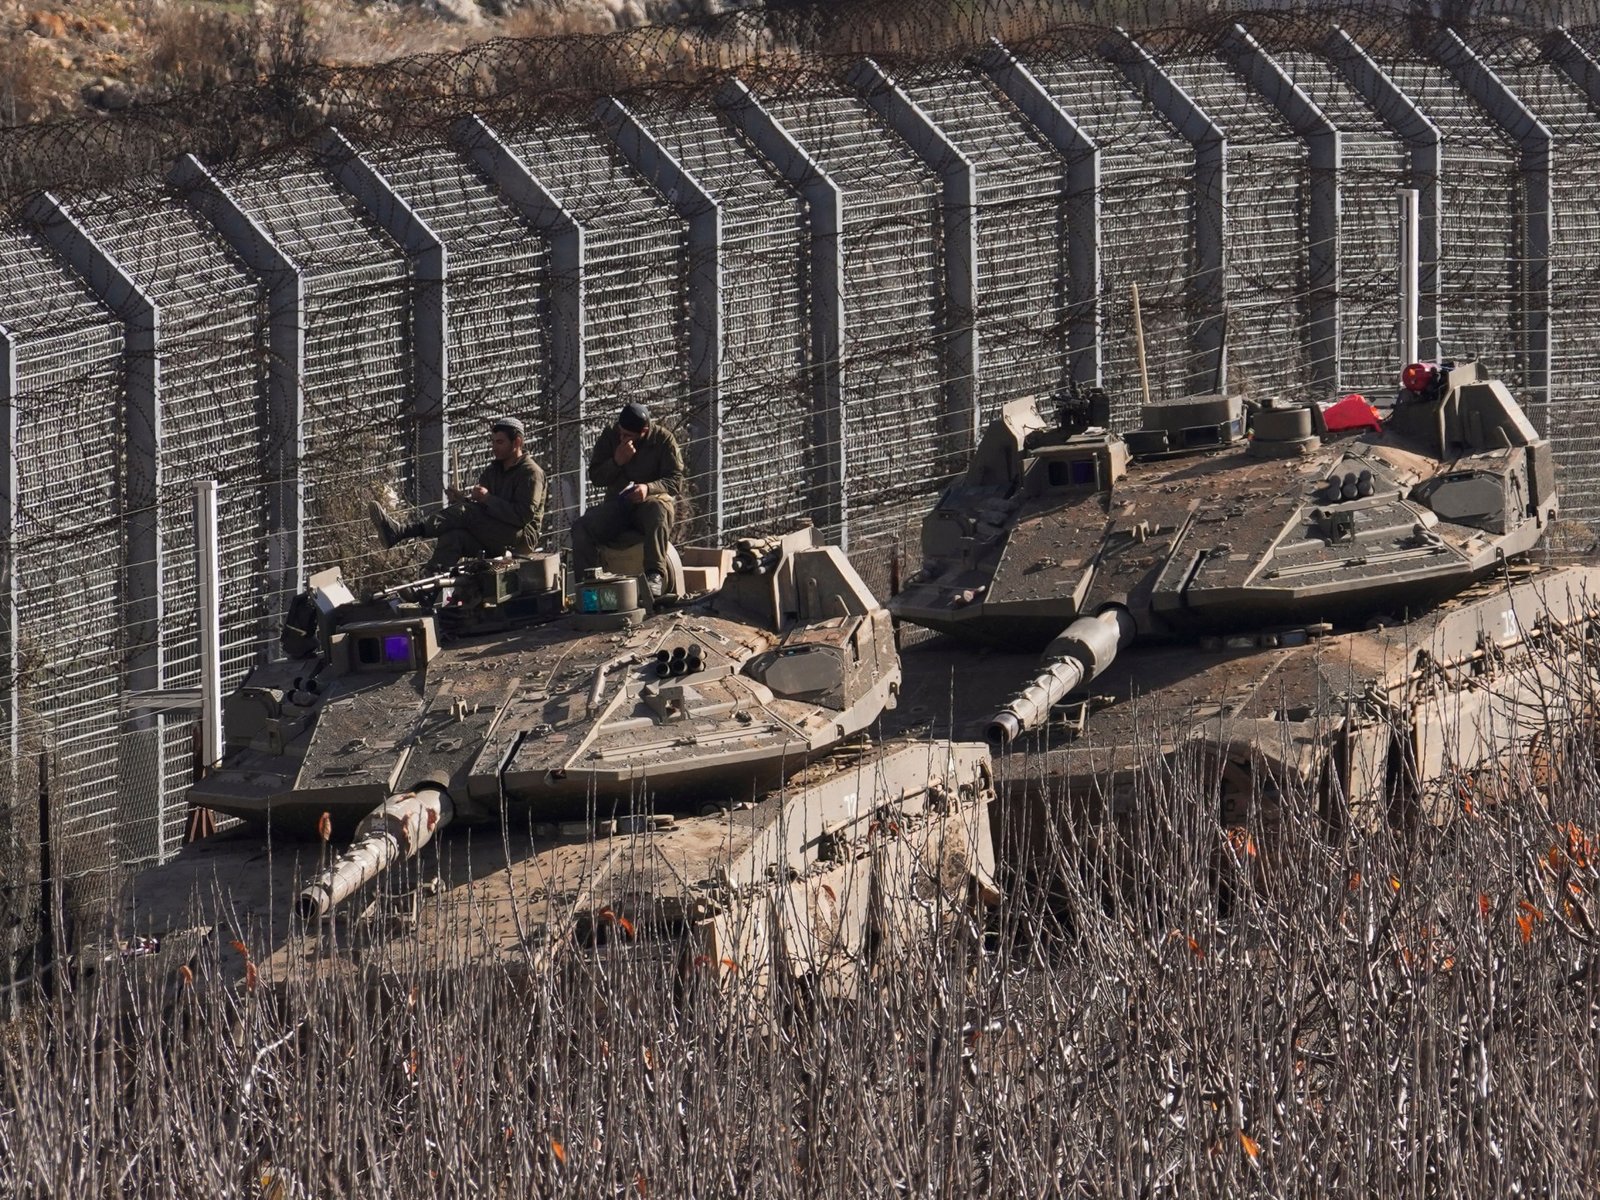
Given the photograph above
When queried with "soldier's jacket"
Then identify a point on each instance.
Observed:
(656, 461)
(516, 497)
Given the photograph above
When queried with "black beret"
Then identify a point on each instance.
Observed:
(635, 418)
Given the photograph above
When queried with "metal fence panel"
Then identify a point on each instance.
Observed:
(892, 363)
(1146, 201)
(64, 552)
(765, 337)
(1574, 302)
(498, 300)
(1023, 277)
(1374, 163)
(212, 357)
(358, 428)
(635, 269)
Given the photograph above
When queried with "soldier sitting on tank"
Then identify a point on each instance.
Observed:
(503, 512)
(641, 469)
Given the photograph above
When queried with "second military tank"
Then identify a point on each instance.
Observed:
(1355, 606)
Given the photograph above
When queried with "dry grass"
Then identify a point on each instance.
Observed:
(1394, 1012)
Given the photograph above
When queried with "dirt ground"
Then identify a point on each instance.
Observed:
(62, 58)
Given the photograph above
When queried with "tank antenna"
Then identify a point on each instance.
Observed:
(1138, 344)
(1410, 271)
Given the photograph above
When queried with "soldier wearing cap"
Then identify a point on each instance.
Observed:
(503, 512)
(641, 469)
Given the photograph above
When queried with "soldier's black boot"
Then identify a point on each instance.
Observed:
(390, 532)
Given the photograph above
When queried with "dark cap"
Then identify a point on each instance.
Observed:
(635, 418)
(506, 425)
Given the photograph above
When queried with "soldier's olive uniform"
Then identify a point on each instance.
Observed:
(657, 463)
(510, 517)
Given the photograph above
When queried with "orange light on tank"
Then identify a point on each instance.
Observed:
(1419, 376)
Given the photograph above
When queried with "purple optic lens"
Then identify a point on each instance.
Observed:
(397, 648)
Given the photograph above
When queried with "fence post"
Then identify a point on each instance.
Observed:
(829, 463)
(695, 203)
(522, 190)
(9, 582)
(1082, 156)
(1208, 287)
(1421, 137)
(208, 576)
(430, 312)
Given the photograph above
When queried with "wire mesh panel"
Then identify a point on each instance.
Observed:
(636, 251)
(212, 373)
(498, 288)
(1479, 217)
(765, 336)
(1147, 200)
(1265, 232)
(1023, 278)
(1374, 164)
(1568, 419)
(65, 550)
(891, 360)
(358, 430)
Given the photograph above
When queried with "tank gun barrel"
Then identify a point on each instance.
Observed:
(1078, 654)
(401, 589)
(397, 829)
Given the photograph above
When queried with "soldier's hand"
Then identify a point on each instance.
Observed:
(479, 493)
(639, 493)
(624, 452)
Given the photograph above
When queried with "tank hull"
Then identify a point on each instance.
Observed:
(821, 881)
(1371, 726)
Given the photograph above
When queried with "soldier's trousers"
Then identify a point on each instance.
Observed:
(607, 521)
(465, 531)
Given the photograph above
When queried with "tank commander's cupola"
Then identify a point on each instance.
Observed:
(1289, 431)
(1186, 426)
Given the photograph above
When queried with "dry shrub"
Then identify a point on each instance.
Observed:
(555, 20)
(28, 80)
(197, 47)
(1343, 1012)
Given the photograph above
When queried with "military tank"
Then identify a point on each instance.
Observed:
(700, 774)
(1357, 609)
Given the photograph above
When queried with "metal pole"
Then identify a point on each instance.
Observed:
(958, 177)
(1082, 157)
(1208, 287)
(1138, 345)
(1410, 272)
(825, 232)
(10, 584)
(701, 210)
(208, 574)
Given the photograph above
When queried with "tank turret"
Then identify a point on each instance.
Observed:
(1197, 526)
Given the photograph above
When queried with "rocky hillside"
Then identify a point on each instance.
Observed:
(66, 57)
